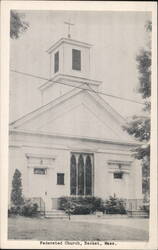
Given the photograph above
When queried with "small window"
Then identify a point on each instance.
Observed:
(76, 59)
(60, 179)
(118, 175)
(39, 171)
(56, 62)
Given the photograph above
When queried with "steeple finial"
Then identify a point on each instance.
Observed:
(69, 24)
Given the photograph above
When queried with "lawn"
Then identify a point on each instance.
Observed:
(63, 229)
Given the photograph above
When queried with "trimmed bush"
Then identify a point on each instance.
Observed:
(81, 205)
(115, 206)
(16, 193)
(79, 209)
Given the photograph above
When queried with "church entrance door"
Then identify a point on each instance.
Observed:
(55, 203)
(81, 174)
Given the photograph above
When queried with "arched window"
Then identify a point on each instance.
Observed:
(80, 175)
(88, 181)
(73, 173)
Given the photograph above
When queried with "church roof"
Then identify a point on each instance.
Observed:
(64, 97)
(105, 123)
(68, 41)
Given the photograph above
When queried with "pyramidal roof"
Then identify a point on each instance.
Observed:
(68, 41)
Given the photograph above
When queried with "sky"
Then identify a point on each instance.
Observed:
(117, 38)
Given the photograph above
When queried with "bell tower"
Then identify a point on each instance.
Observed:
(69, 65)
(70, 57)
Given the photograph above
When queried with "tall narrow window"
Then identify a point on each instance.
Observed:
(56, 62)
(80, 175)
(76, 59)
(88, 169)
(73, 176)
(60, 178)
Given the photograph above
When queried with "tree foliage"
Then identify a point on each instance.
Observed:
(139, 126)
(16, 193)
(144, 68)
(115, 205)
(17, 24)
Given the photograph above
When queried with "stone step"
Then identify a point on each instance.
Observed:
(56, 217)
(60, 214)
(55, 212)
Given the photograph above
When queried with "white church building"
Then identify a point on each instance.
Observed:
(74, 144)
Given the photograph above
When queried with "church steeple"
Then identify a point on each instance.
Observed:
(69, 64)
(70, 57)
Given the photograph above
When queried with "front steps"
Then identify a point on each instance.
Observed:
(56, 214)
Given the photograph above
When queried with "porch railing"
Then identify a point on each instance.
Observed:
(133, 204)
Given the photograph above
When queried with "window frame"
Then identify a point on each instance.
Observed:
(56, 63)
(58, 178)
(118, 174)
(74, 169)
(38, 168)
(76, 63)
(73, 175)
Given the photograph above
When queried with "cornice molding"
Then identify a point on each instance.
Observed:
(73, 137)
(68, 78)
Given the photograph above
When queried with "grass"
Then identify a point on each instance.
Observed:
(62, 229)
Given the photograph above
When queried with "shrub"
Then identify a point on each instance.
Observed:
(27, 209)
(15, 210)
(75, 208)
(81, 209)
(16, 193)
(81, 205)
(115, 206)
(146, 208)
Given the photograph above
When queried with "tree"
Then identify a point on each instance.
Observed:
(139, 126)
(16, 193)
(17, 24)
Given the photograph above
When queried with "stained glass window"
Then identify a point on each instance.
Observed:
(88, 169)
(73, 176)
(81, 178)
(80, 175)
